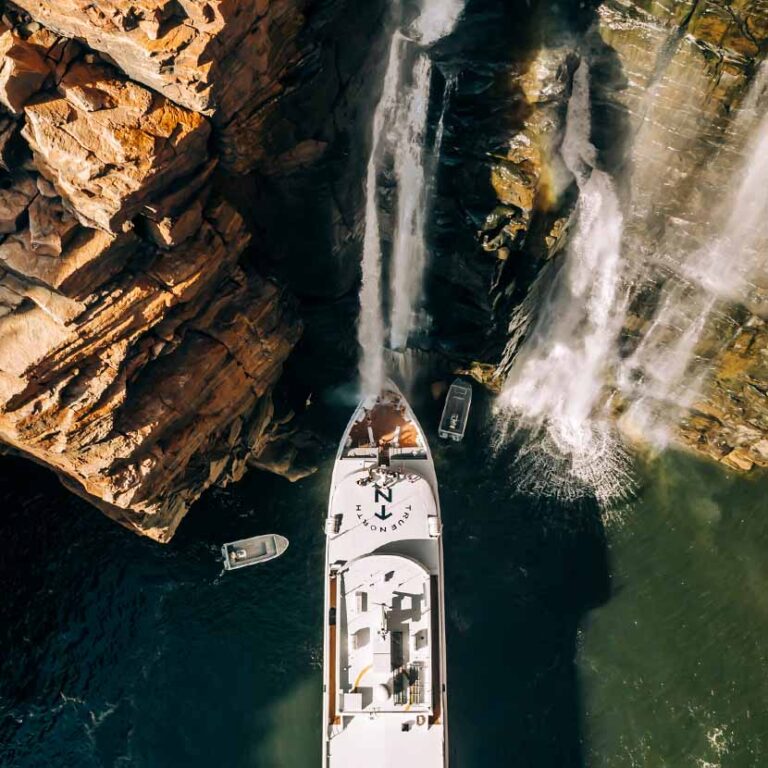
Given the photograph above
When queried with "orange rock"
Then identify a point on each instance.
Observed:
(109, 145)
(224, 59)
(22, 71)
(162, 374)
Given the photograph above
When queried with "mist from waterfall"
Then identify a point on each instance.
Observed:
(399, 137)
(555, 389)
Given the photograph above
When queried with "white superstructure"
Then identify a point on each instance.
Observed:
(384, 698)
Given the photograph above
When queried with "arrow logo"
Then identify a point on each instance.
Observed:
(383, 515)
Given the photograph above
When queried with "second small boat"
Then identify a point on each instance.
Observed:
(257, 549)
(453, 423)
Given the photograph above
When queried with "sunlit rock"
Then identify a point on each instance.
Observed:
(109, 146)
(22, 71)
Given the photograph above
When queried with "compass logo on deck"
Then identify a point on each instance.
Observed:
(383, 520)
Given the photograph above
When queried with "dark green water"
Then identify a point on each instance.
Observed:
(120, 652)
(675, 665)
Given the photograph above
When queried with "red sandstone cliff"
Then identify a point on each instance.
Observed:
(138, 352)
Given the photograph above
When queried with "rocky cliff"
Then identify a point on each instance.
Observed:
(700, 62)
(167, 165)
(140, 342)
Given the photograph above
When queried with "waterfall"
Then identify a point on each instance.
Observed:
(409, 251)
(413, 169)
(555, 388)
(570, 375)
(450, 84)
(437, 20)
(370, 329)
(399, 136)
(664, 375)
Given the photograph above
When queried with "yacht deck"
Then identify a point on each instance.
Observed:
(384, 646)
(386, 651)
(384, 424)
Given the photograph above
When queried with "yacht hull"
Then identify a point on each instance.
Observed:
(385, 688)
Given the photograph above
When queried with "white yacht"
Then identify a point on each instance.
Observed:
(384, 702)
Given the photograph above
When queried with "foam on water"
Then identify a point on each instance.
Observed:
(555, 387)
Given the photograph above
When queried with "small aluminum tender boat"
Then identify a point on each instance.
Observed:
(453, 423)
(257, 549)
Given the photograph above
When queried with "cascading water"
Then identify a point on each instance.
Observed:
(370, 329)
(555, 388)
(564, 375)
(408, 252)
(450, 84)
(664, 376)
(399, 131)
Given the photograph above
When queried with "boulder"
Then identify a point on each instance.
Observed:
(109, 145)
(16, 195)
(22, 71)
(50, 225)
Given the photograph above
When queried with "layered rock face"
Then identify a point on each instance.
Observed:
(690, 72)
(138, 353)
(287, 87)
(674, 90)
(224, 59)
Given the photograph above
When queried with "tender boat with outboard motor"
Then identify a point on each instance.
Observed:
(257, 549)
(384, 699)
(453, 422)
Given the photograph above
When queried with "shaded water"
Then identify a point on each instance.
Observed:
(120, 652)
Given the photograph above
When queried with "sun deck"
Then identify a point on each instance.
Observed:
(385, 656)
(381, 742)
(384, 424)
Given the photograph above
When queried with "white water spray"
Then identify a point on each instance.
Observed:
(566, 372)
(409, 251)
(437, 20)
(555, 388)
(399, 130)
(437, 149)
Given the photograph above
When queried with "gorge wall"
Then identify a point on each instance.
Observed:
(677, 97)
(142, 333)
(182, 197)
